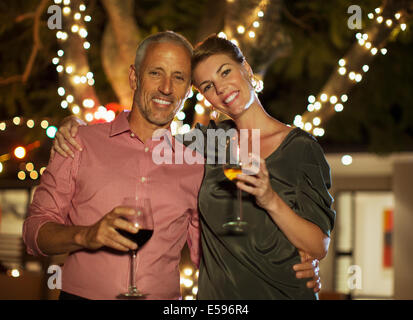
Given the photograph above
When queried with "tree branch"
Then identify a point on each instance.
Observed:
(357, 56)
(36, 47)
(28, 15)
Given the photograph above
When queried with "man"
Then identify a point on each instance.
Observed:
(76, 209)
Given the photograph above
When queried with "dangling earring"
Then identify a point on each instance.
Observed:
(213, 114)
(257, 83)
(253, 81)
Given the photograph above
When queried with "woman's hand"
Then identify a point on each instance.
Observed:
(67, 131)
(258, 184)
(308, 268)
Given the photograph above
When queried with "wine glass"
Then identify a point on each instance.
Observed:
(143, 220)
(232, 167)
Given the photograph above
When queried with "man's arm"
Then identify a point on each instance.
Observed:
(47, 230)
(54, 238)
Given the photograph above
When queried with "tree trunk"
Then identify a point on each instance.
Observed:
(120, 40)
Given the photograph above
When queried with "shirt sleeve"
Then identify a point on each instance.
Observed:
(314, 202)
(51, 200)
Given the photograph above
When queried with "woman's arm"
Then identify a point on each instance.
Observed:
(303, 234)
(67, 131)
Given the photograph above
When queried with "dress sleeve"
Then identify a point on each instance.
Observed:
(314, 202)
(51, 200)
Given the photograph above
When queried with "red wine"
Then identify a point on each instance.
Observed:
(139, 238)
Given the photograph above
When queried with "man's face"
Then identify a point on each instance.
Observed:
(163, 82)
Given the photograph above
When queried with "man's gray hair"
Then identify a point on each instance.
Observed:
(160, 37)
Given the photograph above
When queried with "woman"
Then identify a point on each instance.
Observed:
(289, 206)
(286, 204)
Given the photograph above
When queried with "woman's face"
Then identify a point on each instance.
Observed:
(225, 84)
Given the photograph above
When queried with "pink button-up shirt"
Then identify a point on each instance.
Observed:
(114, 164)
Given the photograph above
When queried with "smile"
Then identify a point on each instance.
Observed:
(161, 101)
(231, 97)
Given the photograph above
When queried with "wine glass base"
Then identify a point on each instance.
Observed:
(236, 227)
(131, 295)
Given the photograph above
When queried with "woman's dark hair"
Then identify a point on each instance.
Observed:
(215, 45)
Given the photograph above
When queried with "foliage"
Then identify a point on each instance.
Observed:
(378, 114)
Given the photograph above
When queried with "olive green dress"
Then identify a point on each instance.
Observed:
(258, 264)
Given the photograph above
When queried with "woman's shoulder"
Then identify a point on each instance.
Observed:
(301, 146)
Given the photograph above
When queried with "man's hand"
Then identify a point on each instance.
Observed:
(104, 233)
(67, 131)
(308, 268)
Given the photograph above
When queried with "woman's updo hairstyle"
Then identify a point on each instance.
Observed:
(215, 45)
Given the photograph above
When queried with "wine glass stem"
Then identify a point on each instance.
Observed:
(239, 196)
(132, 286)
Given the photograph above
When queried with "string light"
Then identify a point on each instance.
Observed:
(75, 109)
(316, 121)
(16, 120)
(44, 124)
(20, 152)
(317, 105)
(70, 98)
(75, 28)
(222, 35)
(311, 99)
(66, 11)
(333, 99)
(241, 29)
(21, 175)
(30, 123)
(338, 107)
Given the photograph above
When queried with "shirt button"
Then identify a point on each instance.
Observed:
(146, 149)
(132, 135)
(143, 179)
